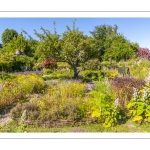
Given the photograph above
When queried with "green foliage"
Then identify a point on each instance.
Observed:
(17, 89)
(47, 71)
(120, 49)
(77, 49)
(92, 64)
(63, 66)
(58, 103)
(31, 47)
(49, 45)
(23, 62)
(102, 107)
(88, 75)
(8, 35)
(140, 68)
(139, 106)
(112, 74)
(17, 43)
(60, 74)
(104, 35)
(6, 61)
(111, 44)
(106, 65)
(5, 76)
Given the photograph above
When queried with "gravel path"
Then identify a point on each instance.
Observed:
(4, 117)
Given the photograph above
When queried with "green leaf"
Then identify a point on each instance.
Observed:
(137, 118)
(148, 119)
(140, 111)
(106, 125)
(131, 104)
(107, 113)
(134, 112)
(96, 114)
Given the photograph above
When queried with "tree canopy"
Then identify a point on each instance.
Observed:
(72, 46)
(77, 48)
(8, 35)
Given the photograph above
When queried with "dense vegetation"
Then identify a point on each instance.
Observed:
(73, 79)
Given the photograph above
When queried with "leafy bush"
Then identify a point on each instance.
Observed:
(60, 74)
(16, 89)
(47, 71)
(49, 64)
(123, 88)
(89, 75)
(143, 53)
(63, 66)
(140, 69)
(103, 109)
(93, 64)
(32, 111)
(67, 101)
(139, 106)
(112, 73)
(109, 65)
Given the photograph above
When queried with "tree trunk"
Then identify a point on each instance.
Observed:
(76, 73)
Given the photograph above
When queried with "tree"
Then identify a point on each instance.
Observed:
(49, 45)
(8, 35)
(120, 49)
(23, 62)
(17, 43)
(104, 35)
(6, 61)
(77, 48)
(31, 47)
(113, 45)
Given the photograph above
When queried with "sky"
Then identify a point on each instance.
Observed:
(136, 30)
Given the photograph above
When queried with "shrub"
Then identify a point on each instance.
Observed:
(60, 74)
(32, 111)
(123, 88)
(140, 69)
(63, 66)
(16, 89)
(93, 64)
(66, 101)
(112, 74)
(109, 65)
(49, 64)
(89, 75)
(143, 53)
(71, 90)
(139, 106)
(47, 71)
(102, 108)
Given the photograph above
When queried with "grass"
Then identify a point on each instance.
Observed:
(92, 128)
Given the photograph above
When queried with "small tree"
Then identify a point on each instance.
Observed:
(6, 61)
(48, 46)
(17, 43)
(77, 48)
(8, 35)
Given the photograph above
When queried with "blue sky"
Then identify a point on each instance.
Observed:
(134, 29)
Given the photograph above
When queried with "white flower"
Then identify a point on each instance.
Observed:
(117, 102)
(145, 93)
(23, 117)
(135, 93)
